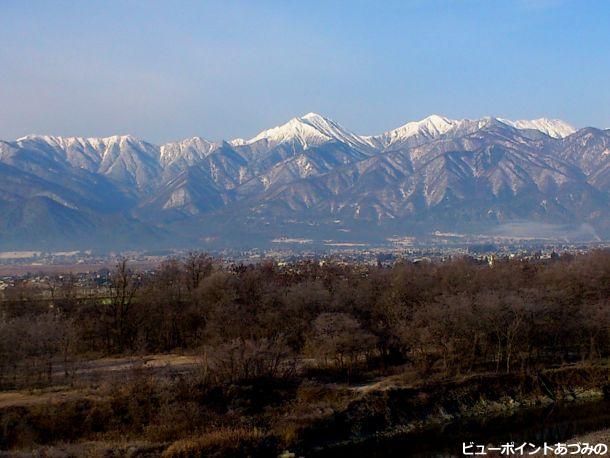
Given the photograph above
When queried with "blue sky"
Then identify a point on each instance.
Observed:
(166, 70)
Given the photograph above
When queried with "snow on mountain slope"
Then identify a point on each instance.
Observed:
(308, 131)
(141, 166)
(89, 153)
(186, 152)
(465, 172)
(129, 160)
(589, 150)
(555, 128)
(124, 158)
(237, 142)
(76, 151)
(428, 128)
(416, 133)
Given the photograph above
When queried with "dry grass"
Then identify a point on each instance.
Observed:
(93, 374)
(90, 449)
(50, 396)
(222, 442)
(82, 373)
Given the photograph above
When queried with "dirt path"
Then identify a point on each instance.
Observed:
(88, 375)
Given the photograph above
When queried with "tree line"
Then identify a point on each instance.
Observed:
(266, 320)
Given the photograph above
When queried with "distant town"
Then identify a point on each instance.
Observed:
(38, 265)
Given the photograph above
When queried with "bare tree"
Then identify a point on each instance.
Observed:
(197, 266)
(338, 337)
(117, 309)
(250, 359)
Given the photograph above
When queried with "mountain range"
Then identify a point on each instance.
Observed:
(308, 179)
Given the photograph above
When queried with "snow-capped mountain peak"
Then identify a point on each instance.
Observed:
(555, 128)
(309, 130)
(416, 132)
(186, 152)
(238, 142)
(455, 172)
(434, 124)
(313, 116)
(53, 140)
(427, 128)
(36, 137)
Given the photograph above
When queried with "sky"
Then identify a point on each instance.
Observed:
(225, 69)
